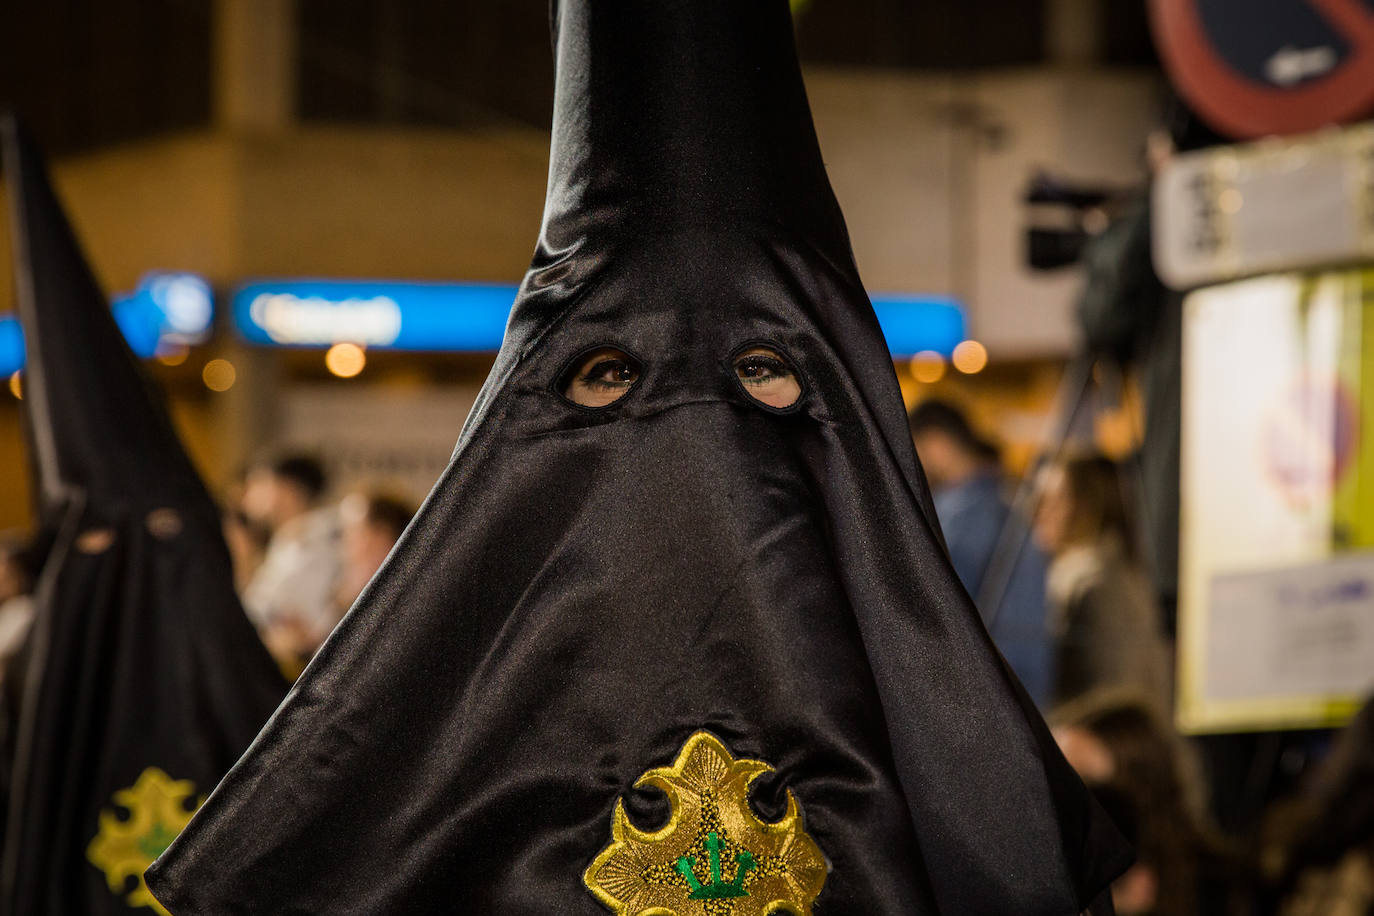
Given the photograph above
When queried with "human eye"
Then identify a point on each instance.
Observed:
(601, 377)
(767, 377)
(610, 375)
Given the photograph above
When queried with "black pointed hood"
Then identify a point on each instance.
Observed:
(675, 112)
(145, 680)
(685, 117)
(95, 425)
(682, 585)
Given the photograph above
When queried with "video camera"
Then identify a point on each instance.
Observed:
(1063, 215)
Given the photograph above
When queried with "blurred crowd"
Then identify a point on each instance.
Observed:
(301, 561)
(1061, 584)
(1064, 592)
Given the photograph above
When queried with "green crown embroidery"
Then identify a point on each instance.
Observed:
(718, 889)
(155, 842)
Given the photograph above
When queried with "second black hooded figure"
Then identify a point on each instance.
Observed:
(144, 679)
(698, 650)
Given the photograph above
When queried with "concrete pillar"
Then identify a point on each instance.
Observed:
(1073, 32)
(255, 46)
(255, 64)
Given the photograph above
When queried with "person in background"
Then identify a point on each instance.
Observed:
(1101, 609)
(371, 525)
(291, 595)
(17, 575)
(965, 474)
(247, 540)
(1318, 850)
(1143, 774)
(21, 558)
(1127, 315)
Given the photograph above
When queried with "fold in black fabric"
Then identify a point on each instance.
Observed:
(143, 672)
(585, 590)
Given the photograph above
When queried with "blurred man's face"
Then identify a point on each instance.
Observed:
(365, 546)
(269, 500)
(939, 456)
(261, 494)
(1053, 513)
(12, 582)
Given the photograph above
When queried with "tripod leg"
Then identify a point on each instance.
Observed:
(1073, 394)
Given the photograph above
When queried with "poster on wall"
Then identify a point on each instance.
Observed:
(1276, 603)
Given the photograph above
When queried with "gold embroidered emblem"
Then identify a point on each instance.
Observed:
(124, 848)
(714, 857)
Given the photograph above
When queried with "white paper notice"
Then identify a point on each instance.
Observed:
(1305, 631)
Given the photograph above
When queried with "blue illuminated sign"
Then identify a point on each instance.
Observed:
(471, 317)
(164, 308)
(401, 316)
(11, 345)
(914, 324)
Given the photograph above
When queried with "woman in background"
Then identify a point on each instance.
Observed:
(1144, 775)
(1101, 609)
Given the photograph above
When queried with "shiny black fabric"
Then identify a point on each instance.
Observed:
(140, 654)
(584, 589)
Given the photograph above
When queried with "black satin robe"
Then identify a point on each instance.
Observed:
(585, 589)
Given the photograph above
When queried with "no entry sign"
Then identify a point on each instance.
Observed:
(1256, 67)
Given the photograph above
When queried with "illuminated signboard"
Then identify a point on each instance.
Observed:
(164, 308)
(471, 317)
(915, 324)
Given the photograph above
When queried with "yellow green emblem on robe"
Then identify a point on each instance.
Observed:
(125, 847)
(714, 857)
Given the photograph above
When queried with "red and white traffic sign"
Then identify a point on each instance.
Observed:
(1279, 67)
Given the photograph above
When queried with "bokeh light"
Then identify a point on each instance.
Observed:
(345, 359)
(970, 357)
(17, 384)
(928, 366)
(173, 354)
(219, 375)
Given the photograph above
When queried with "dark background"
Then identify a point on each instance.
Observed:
(87, 73)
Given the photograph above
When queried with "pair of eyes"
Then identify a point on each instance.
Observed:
(604, 376)
(163, 524)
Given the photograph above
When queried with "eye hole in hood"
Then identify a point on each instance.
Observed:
(766, 376)
(599, 377)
